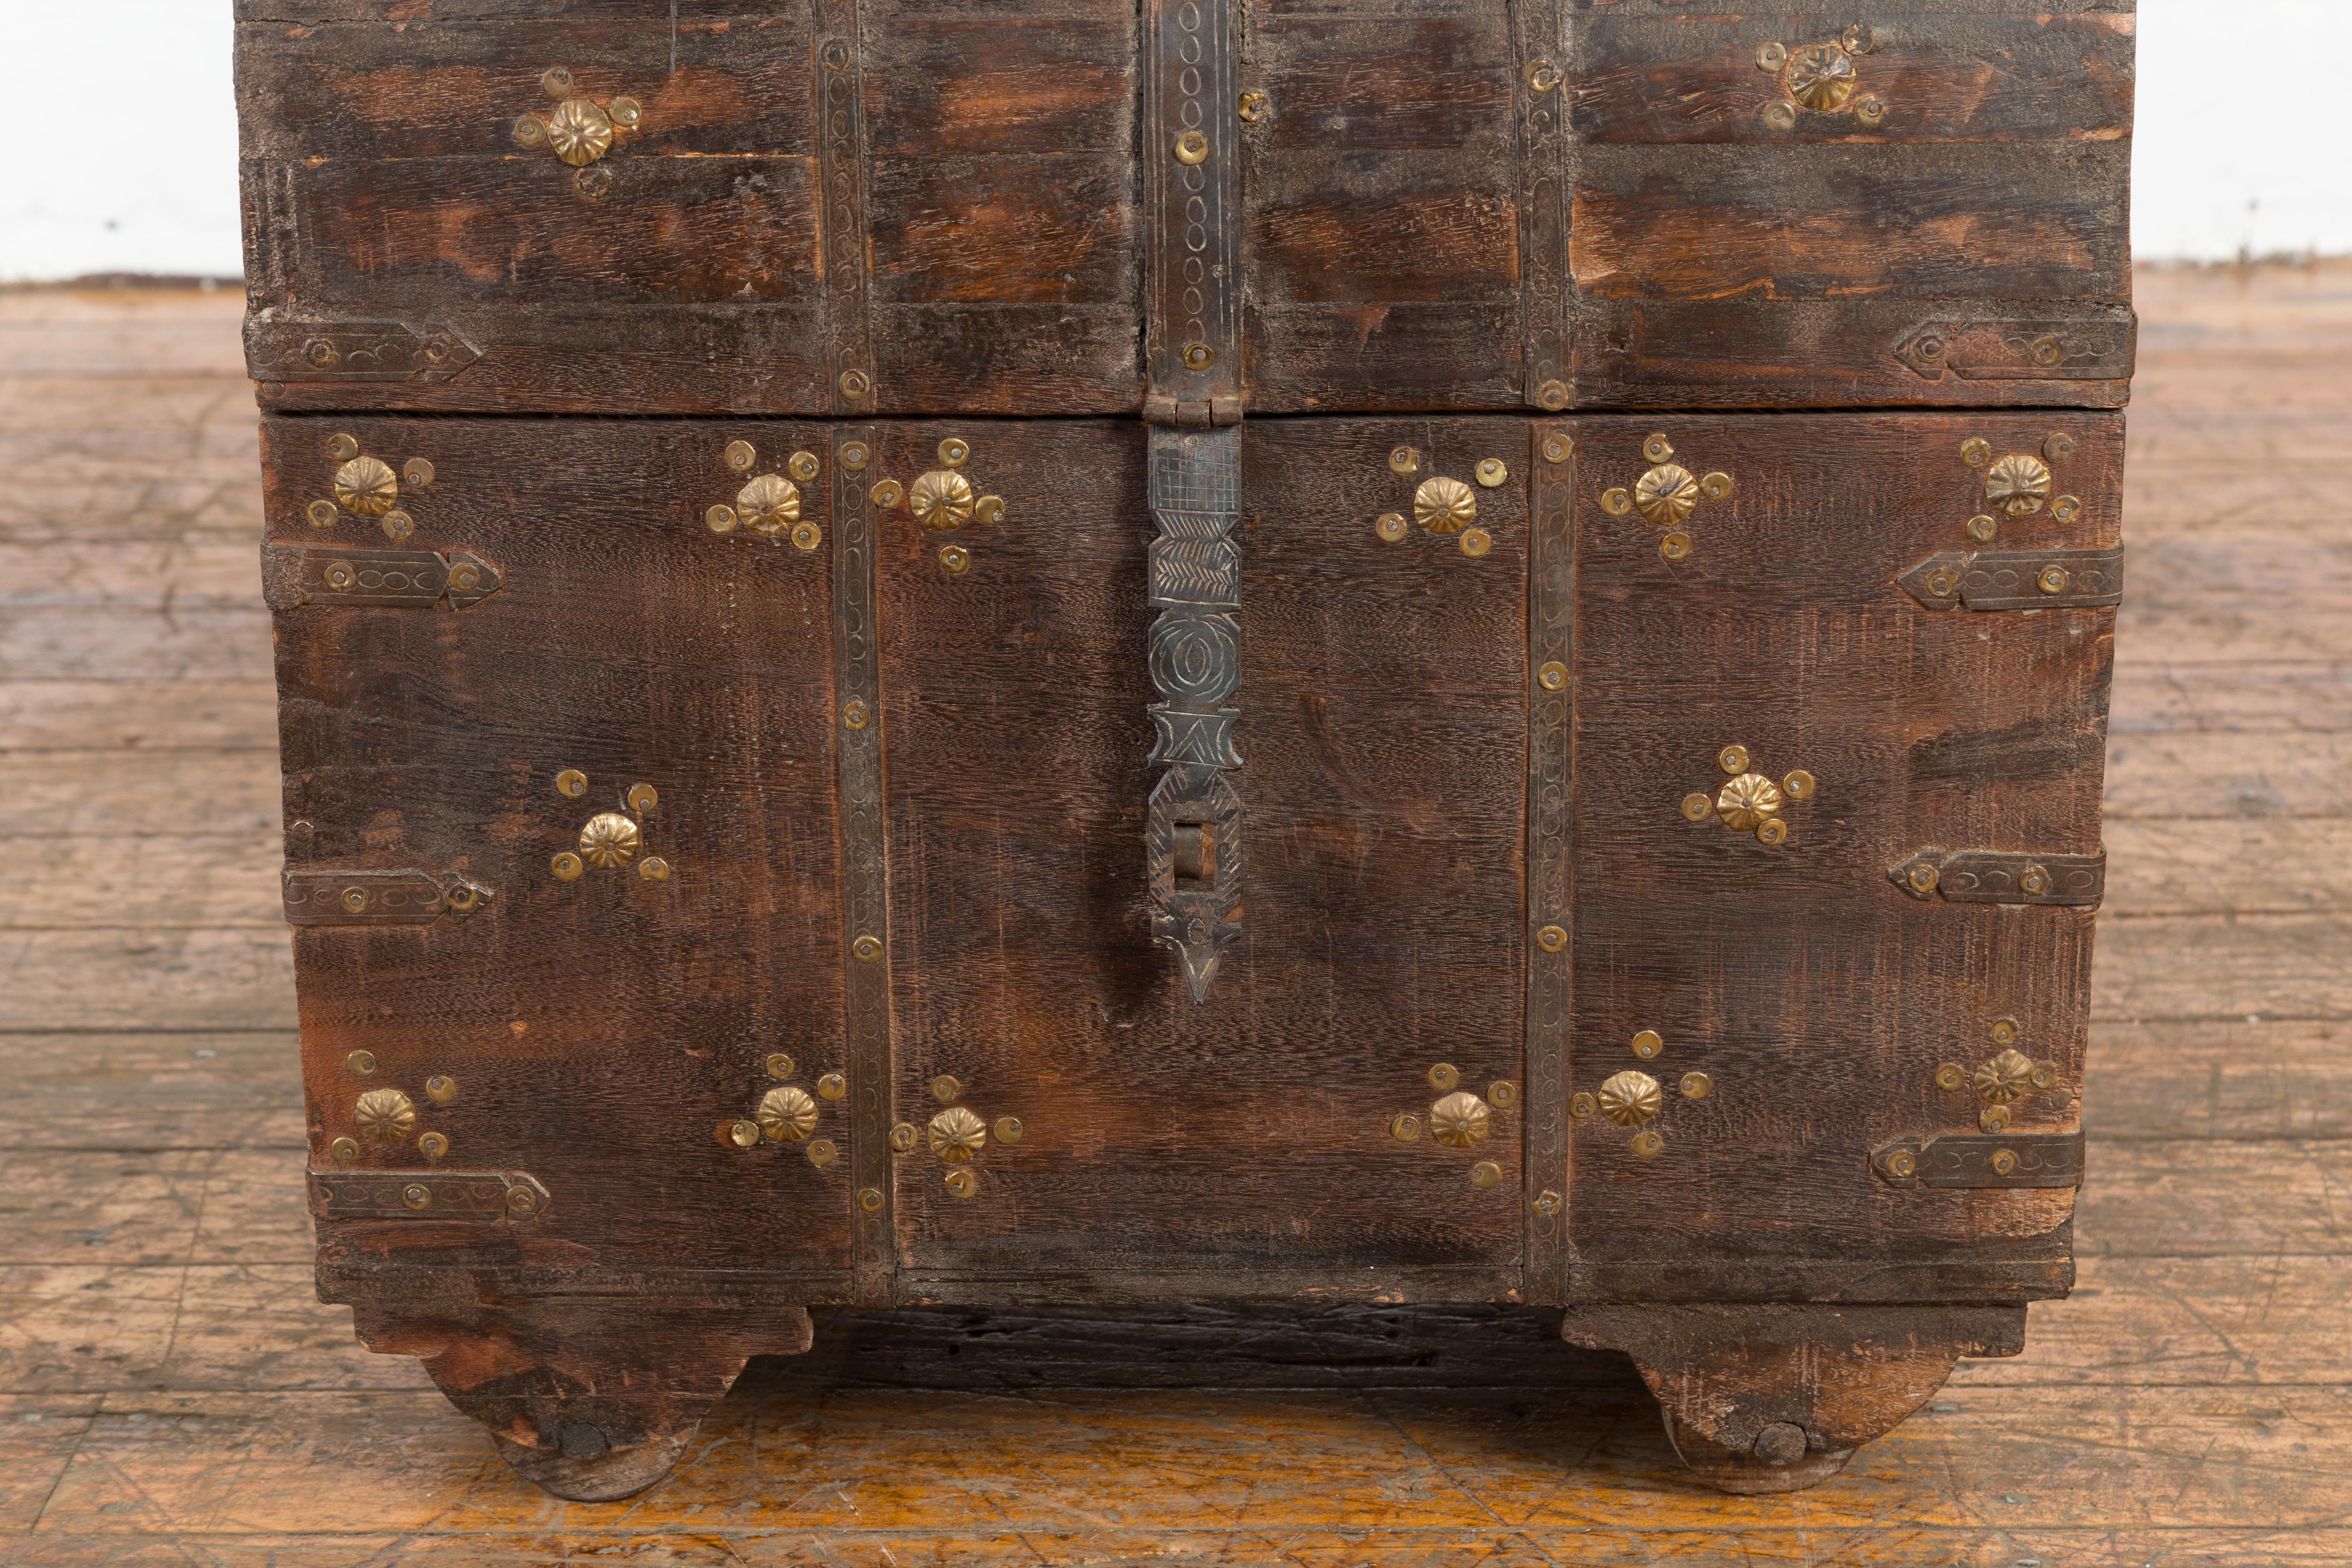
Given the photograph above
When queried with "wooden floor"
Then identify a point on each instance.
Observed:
(170, 1392)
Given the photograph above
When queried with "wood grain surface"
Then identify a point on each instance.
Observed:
(174, 1392)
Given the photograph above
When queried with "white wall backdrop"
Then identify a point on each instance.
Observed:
(126, 151)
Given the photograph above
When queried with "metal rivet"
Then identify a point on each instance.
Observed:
(1799, 784)
(867, 947)
(807, 536)
(2059, 447)
(529, 131)
(1869, 110)
(824, 1152)
(342, 448)
(1732, 758)
(1542, 75)
(1491, 472)
(643, 797)
(1485, 1176)
(1648, 1145)
(832, 1086)
(1715, 486)
(954, 559)
(1993, 1117)
(654, 868)
(1404, 1129)
(521, 1200)
(854, 456)
(1771, 57)
(1950, 1075)
(856, 383)
(2067, 509)
(1551, 939)
(627, 111)
(741, 456)
(1674, 546)
(903, 1136)
(801, 466)
(2047, 350)
(397, 525)
(953, 451)
(1983, 526)
(1697, 807)
(1504, 1093)
(344, 1149)
(1657, 449)
(354, 900)
(417, 471)
(1404, 460)
(1923, 877)
(1580, 1106)
(886, 493)
(1859, 40)
(1553, 676)
(743, 1134)
(1941, 584)
(417, 1195)
(1476, 541)
(1558, 449)
(1976, 451)
(360, 1063)
(441, 1088)
(555, 81)
(987, 509)
(2003, 1163)
(780, 1066)
(1901, 1163)
(869, 1199)
(2035, 881)
(2053, 580)
(1648, 1044)
(1390, 526)
(1442, 1076)
(2045, 1075)
(944, 1088)
(323, 513)
(1251, 108)
(1199, 356)
(1696, 1086)
(962, 1183)
(854, 714)
(2004, 1032)
(566, 867)
(433, 1145)
(1772, 830)
(720, 518)
(1008, 1129)
(1617, 502)
(1781, 115)
(1192, 148)
(572, 782)
(1547, 1202)
(1552, 396)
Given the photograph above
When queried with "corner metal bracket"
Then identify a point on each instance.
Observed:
(513, 1196)
(316, 898)
(1976, 1160)
(2002, 876)
(293, 575)
(2018, 579)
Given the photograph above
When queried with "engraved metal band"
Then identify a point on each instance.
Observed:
(1192, 330)
(1539, 47)
(865, 872)
(839, 97)
(1551, 583)
(1192, 834)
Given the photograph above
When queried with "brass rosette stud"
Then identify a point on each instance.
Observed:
(384, 1116)
(1444, 505)
(786, 1115)
(1460, 1120)
(1749, 801)
(770, 504)
(2018, 484)
(942, 498)
(609, 841)
(957, 1134)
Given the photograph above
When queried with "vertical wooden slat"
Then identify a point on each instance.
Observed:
(1552, 582)
(865, 872)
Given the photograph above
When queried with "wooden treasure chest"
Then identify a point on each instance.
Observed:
(1028, 651)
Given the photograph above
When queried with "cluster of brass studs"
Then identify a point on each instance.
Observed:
(1749, 802)
(1666, 495)
(942, 499)
(787, 1114)
(1444, 505)
(1633, 1099)
(578, 129)
(768, 504)
(610, 839)
(1459, 1120)
(385, 1116)
(2016, 486)
(957, 1135)
(367, 487)
(2005, 1077)
(1821, 79)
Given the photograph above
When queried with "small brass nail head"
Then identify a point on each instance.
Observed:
(572, 782)
(1733, 759)
(1551, 939)
(441, 1089)
(1390, 526)
(1443, 1077)
(945, 1089)
(1648, 1044)
(1404, 460)
(780, 1066)
(1008, 1129)
(832, 1086)
(361, 1064)
(1504, 1093)
(1485, 1176)
(903, 1136)
(1476, 541)
(1558, 449)
(1553, 676)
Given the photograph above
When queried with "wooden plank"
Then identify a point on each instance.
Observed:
(2226, 597)
(38, 1433)
(2219, 1078)
(2212, 966)
(166, 338)
(53, 794)
(2212, 1198)
(133, 643)
(2271, 866)
(148, 715)
(2183, 775)
(147, 978)
(2233, 699)
(155, 1091)
(155, 576)
(84, 1208)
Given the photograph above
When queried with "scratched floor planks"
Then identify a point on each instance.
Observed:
(171, 1394)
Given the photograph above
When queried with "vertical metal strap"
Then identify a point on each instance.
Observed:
(839, 96)
(1551, 587)
(1192, 329)
(865, 875)
(1193, 834)
(1539, 49)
